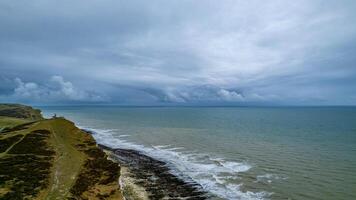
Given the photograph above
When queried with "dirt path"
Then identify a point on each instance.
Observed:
(8, 149)
(67, 162)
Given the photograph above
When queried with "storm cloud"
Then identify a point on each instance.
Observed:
(178, 52)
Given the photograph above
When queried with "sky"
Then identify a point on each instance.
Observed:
(178, 52)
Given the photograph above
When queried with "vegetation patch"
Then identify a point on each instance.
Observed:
(24, 175)
(26, 168)
(16, 128)
(8, 122)
(20, 111)
(33, 143)
(97, 171)
(8, 142)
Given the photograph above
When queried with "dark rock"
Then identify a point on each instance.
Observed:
(156, 177)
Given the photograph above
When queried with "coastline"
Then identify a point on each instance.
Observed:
(66, 162)
(207, 169)
(144, 177)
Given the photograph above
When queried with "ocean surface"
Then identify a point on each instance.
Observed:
(238, 152)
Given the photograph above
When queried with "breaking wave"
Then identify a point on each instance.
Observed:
(215, 175)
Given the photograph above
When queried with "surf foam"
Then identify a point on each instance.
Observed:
(213, 174)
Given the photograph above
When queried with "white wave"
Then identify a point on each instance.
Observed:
(162, 146)
(236, 167)
(201, 168)
(174, 149)
(121, 136)
(269, 178)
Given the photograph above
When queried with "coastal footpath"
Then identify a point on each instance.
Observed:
(51, 159)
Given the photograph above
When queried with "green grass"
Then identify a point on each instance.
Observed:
(9, 122)
(12, 115)
(20, 111)
(51, 159)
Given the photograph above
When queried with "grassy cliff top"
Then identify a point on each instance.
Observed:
(20, 111)
(52, 159)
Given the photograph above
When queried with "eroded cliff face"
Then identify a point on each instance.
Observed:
(53, 159)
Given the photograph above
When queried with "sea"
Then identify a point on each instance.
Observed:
(237, 152)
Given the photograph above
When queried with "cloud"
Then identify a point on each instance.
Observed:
(55, 90)
(206, 94)
(230, 95)
(158, 51)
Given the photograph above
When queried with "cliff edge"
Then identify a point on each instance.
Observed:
(51, 159)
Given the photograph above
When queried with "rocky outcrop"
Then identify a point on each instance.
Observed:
(156, 177)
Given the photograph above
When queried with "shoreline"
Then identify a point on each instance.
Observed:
(180, 166)
(144, 177)
(155, 177)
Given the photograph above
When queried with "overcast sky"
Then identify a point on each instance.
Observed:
(233, 52)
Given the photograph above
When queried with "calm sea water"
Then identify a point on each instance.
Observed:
(237, 152)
